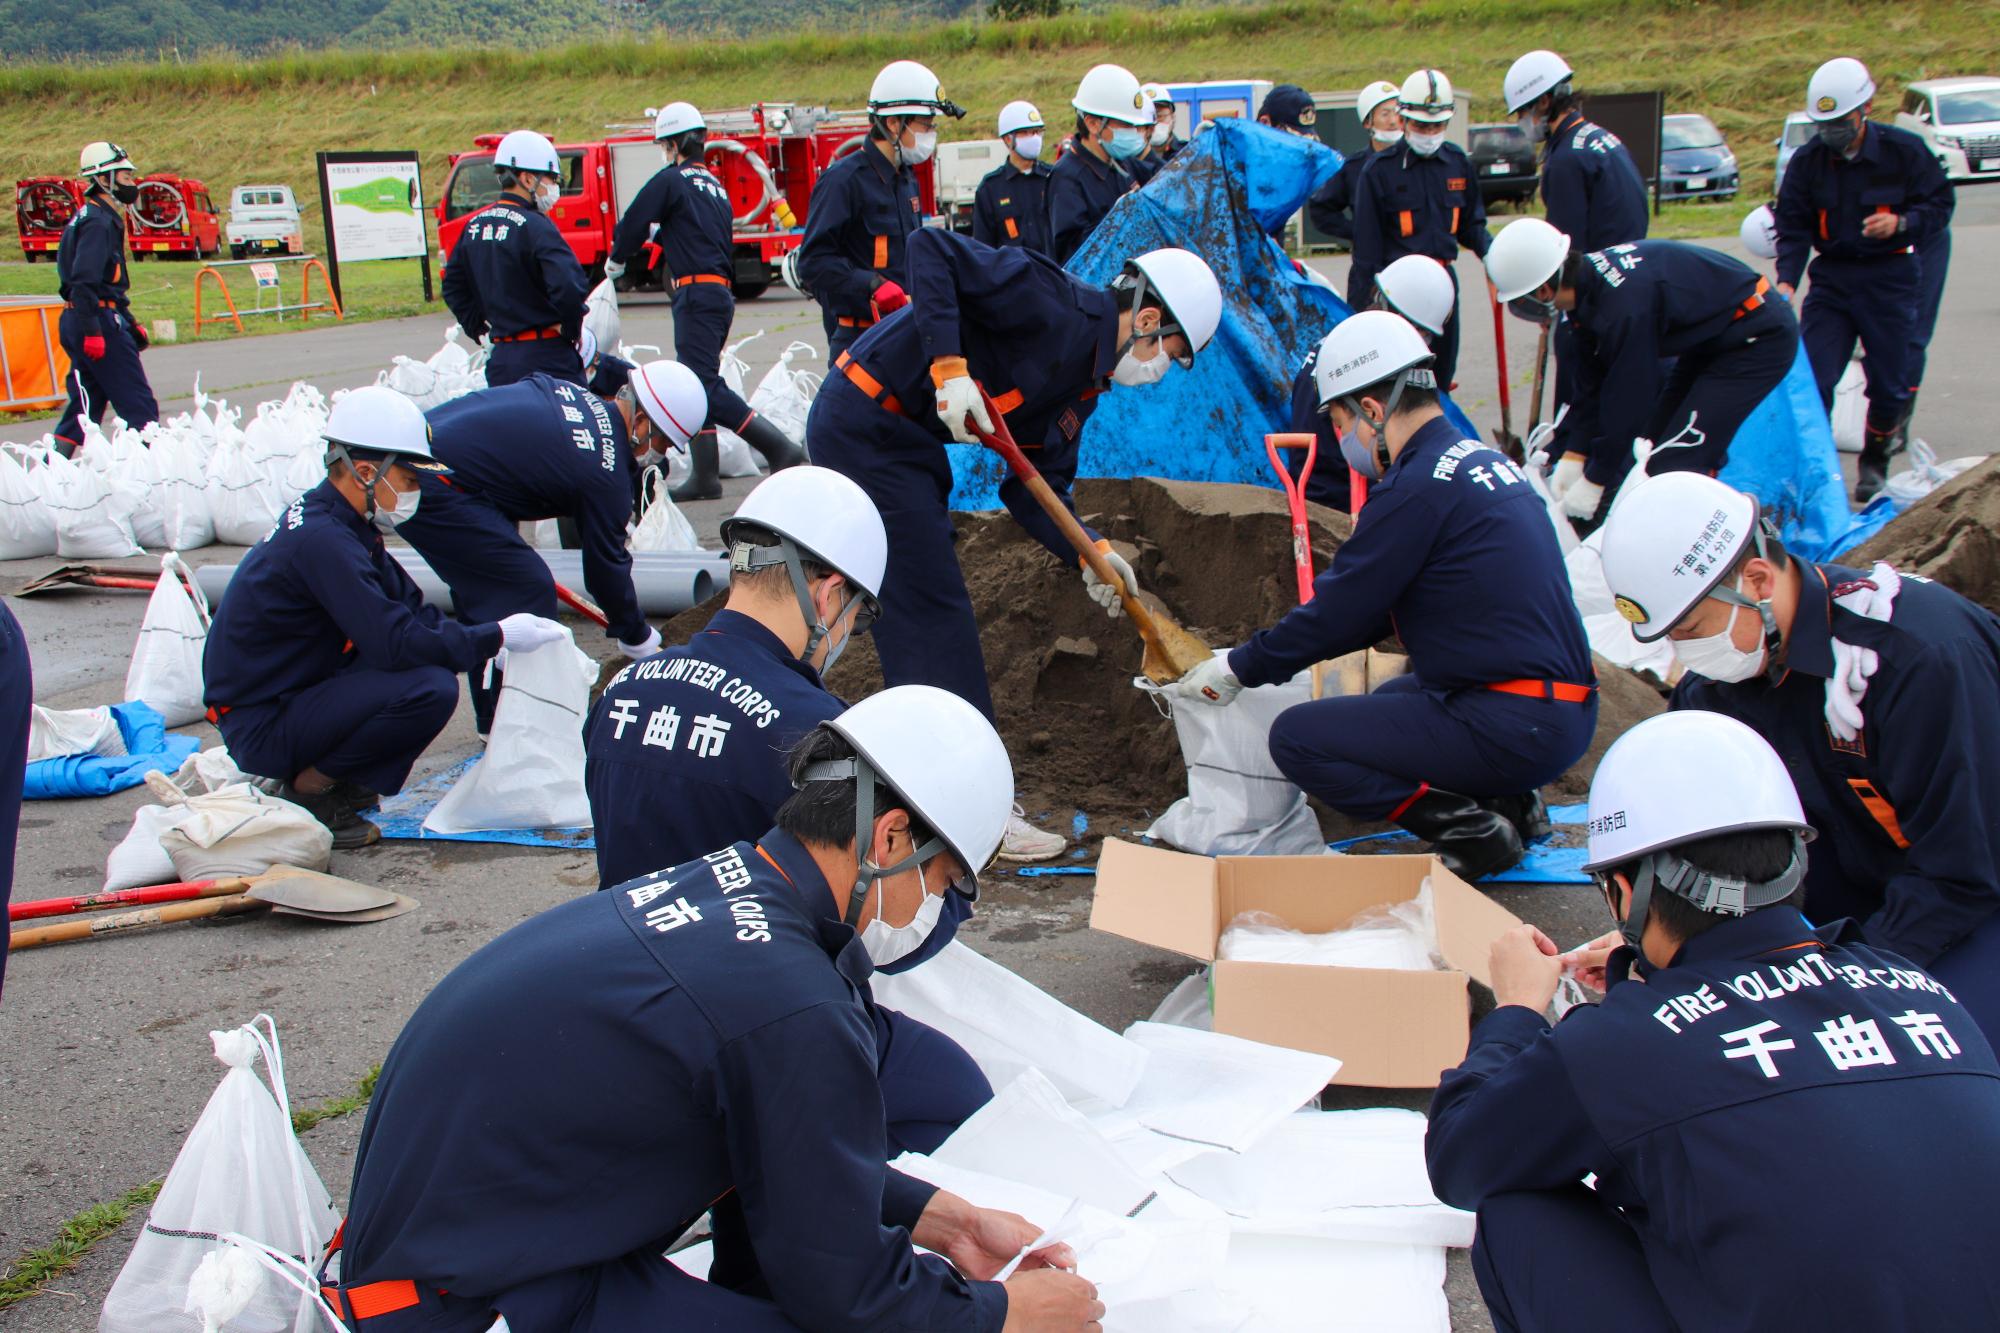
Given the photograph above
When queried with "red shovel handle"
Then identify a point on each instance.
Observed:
(587, 609)
(158, 893)
(1295, 501)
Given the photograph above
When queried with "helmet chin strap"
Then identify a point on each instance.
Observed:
(746, 557)
(866, 872)
(1721, 895)
(1136, 280)
(1774, 639)
(336, 452)
(1414, 376)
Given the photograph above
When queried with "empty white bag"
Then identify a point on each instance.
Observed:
(661, 526)
(166, 661)
(531, 776)
(737, 459)
(784, 396)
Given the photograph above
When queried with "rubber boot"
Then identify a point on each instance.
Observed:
(1871, 470)
(1901, 442)
(704, 478)
(779, 449)
(1472, 841)
(350, 831)
(1527, 812)
(357, 797)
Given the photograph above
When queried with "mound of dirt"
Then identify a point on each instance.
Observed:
(1951, 535)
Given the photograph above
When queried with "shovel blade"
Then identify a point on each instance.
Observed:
(309, 891)
(398, 904)
(1171, 652)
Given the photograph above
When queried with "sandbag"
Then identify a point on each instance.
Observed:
(737, 458)
(148, 749)
(139, 859)
(166, 661)
(784, 396)
(180, 492)
(128, 465)
(452, 371)
(93, 519)
(1850, 409)
(600, 314)
(243, 497)
(27, 525)
(531, 776)
(661, 525)
(237, 830)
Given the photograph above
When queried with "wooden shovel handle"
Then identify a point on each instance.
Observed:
(157, 893)
(35, 936)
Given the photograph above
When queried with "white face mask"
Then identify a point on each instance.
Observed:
(919, 152)
(1132, 372)
(886, 943)
(406, 504)
(546, 195)
(1387, 138)
(1424, 145)
(1028, 145)
(1717, 656)
(1163, 130)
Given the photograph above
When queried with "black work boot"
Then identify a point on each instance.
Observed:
(358, 797)
(1527, 812)
(704, 478)
(1871, 470)
(350, 831)
(779, 449)
(1473, 842)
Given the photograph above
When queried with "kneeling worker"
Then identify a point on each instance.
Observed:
(702, 1035)
(323, 667)
(1454, 554)
(1876, 688)
(544, 448)
(1634, 307)
(1769, 1086)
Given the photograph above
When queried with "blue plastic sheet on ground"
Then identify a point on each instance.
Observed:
(1208, 423)
(402, 817)
(1783, 454)
(149, 749)
(1544, 863)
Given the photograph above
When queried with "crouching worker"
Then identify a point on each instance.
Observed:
(1454, 554)
(1768, 1086)
(323, 667)
(574, 1095)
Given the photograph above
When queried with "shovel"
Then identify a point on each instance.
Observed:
(93, 576)
(289, 890)
(1509, 442)
(1171, 652)
(1541, 370)
(1295, 501)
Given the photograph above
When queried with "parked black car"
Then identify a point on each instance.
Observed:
(1504, 161)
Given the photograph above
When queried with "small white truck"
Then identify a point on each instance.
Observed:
(960, 168)
(264, 219)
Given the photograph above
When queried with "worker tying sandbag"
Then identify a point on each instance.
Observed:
(1454, 554)
(323, 668)
(1045, 346)
(700, 1041)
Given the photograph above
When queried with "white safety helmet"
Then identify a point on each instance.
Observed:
(1112, 91)
(586, 347)
(672, 398)
(1419, 289)
(1425, 97)
(1532, 75)
(1527, 253)
(1187, 287)
(1019, 116)
(1374, 95)
(788, 269)
(1838, 87)
(375, 419)
(941, 759)
(1369, 350)
(675, 119)
(525, 150)
(1759, 232)
(1670, 543)
(1158, 95)
(905, 88)
(818, 514)
(102, 158)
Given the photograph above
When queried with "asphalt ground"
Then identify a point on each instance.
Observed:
(104, 1060)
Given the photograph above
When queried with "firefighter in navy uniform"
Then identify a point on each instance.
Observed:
(97, 329)
(1011, 206)
(576, 1093)
(324, 668)
(865, 206)
(1788, 1128)
(544, 448)
(512, 276)
(1331, 207)
(1112, 120)
(1633, 307)
(808, 549)
(686, 211)
(1865, 197)
(1418, 198)
(1875, 688)
(1453, 553)
(1162, 144)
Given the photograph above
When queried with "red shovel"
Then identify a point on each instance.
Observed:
(1509, 442)
(1295, 500)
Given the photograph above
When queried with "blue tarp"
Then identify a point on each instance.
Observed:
(1784, 455)
(149, 748)
(1544, 863)
(402, 817)
(1208, 424)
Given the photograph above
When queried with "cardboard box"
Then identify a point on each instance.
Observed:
(1390, 1029)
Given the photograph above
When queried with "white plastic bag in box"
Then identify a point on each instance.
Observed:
(1401, 936)
(1030, 1134)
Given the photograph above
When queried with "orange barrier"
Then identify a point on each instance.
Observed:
(306, 305)
(33, 364)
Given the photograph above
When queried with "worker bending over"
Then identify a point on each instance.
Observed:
(1876, 688)
(323, 667)
(1045, 345)
(96, 328)
(1454, 554)
(577, 1093)
(1862, 197)
(1634, 308)
(1782, 1128)
(544, 448)
(686, 211)
(865, 206)
(1331, 207)
(1419, 197)
(1011, 205)
(513, 277)
(1112, 120)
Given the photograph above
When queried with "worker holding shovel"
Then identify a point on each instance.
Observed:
(1454, 553)
(1043, 345)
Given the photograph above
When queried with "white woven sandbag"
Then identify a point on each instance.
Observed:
(784, 396)
(93, 519)
(661, 525)
(737, 458)
(27, 524)
(166, 661)
(244, 498)
(531, 776)
(180, 492)
(237, 830)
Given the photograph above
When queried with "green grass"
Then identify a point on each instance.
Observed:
(306, 1117)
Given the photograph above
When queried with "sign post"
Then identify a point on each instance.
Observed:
(1635, 118)
(373, 207)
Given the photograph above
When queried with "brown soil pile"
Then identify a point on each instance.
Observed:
(1217, 557)
(1951, 535)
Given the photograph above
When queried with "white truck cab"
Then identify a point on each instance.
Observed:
(264, 219)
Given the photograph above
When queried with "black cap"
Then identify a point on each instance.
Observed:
(1289, 107)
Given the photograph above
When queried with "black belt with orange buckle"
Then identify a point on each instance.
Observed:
(847, 323)
(692, 278)
(1756, 299)
(529, 335)
(1557, 691)
(858, 375)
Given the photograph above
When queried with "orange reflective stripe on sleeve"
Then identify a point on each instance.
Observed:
(1878, 806)
(1407, 221)
(1822, 226)
(372, 1299)
(1454, 221)
(881, 252)
(1008, 401)
(1013, 232)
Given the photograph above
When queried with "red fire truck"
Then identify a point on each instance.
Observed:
(767, 156)
(173, 218)
(43, 206)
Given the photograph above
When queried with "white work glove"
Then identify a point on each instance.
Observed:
(523, 633)
(1103, 593)
(646, 647)
(958, 398)
(1569, 471)
(1210, 683)
(613, 269)
(1582, 499)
